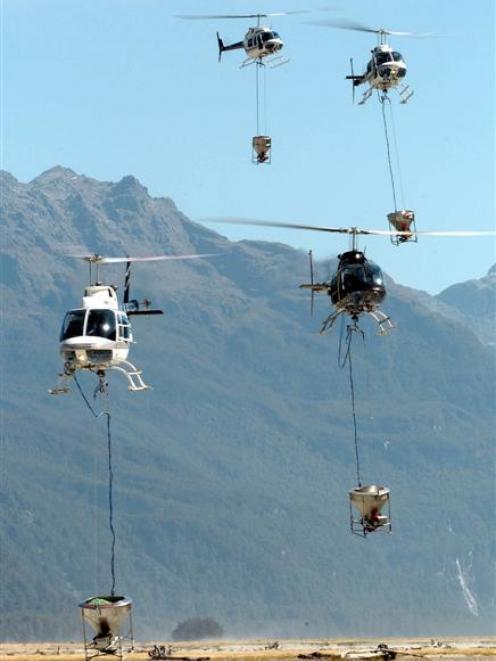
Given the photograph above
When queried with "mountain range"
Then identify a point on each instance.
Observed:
(232, 473)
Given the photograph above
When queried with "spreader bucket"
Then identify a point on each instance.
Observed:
(106, 614)
(111, 619)
(261, 145)
(369, 501)
(402, 221)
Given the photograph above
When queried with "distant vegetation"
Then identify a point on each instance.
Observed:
(197, 628)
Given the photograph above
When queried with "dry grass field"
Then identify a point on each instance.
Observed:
(266, 650)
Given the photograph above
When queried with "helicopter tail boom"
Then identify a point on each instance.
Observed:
(223, 47)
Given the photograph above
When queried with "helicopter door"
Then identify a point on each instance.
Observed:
(124, 333)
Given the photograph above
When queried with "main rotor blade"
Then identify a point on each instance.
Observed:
(195, 17)
(98, 259)
(359, 27)
(461, 233)
(346, 230)
(268, 223)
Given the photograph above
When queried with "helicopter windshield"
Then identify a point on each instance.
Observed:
(397, 57)
(382, 58)
(356, 277)
(373, 275)
(268, 35)
(101, 323)
(73, 325)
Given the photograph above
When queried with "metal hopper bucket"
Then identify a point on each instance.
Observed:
(402, 221)
(369, 501)
(110, 617)
(261, 146)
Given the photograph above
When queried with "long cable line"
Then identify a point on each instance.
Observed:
(347, 358)
(106, 413)
(397, 154)
(383, 99)
(257, 95)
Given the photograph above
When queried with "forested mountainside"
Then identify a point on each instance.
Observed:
(232, 473)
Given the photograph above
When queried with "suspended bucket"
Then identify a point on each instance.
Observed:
(261, 146)
(369, 501)
(110, 617)
(402, 221)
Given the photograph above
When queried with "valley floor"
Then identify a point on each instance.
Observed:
(458, 649)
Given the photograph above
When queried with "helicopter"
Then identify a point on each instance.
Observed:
(97, 336)
(385, 70)
(259, 43)
(357, 286)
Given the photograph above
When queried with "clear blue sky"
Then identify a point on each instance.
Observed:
(116, 87)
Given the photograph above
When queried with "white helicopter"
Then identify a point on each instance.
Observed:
(386, 69)
(97, 336)
(260, 42)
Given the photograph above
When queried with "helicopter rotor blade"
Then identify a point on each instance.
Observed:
(99, 259)
(359, 27)
(346, 230)
(268, 223)
(201, 17)
(462, 233)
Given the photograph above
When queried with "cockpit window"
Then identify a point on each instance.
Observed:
(267, 35)
(276, 35)
(382, 58)
(73, 325)
(101, 323)
(397, 57)
(374, 274)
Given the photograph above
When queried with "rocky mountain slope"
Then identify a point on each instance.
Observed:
(231, 475)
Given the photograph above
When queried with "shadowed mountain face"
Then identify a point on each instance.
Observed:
(232, 474)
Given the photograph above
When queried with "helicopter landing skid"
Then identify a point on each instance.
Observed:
(271, 61)
(330, 321)
(132, 374)
(383, 321)
(62, 387)
(405, 93)
(366, 96)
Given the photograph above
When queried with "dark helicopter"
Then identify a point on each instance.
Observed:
(357, 287)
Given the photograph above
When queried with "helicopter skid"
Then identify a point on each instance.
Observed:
(366, 96)
(272, 61)
(405, 93)
(132, 374)
(384, 322)
(62, 387)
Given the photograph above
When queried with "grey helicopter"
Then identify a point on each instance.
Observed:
(386, 69)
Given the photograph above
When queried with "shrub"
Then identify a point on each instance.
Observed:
(197, 628)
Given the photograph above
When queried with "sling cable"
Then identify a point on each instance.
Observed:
(401, 220)
(109, 616)
(366, 502)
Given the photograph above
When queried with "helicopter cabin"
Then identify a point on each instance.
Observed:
(357, 275)
(109, 617)
(95, 338)
(264, 40)
(366, 510)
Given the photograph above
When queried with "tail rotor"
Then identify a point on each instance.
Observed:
(221, 46)
(310, 257)
(352, 80)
